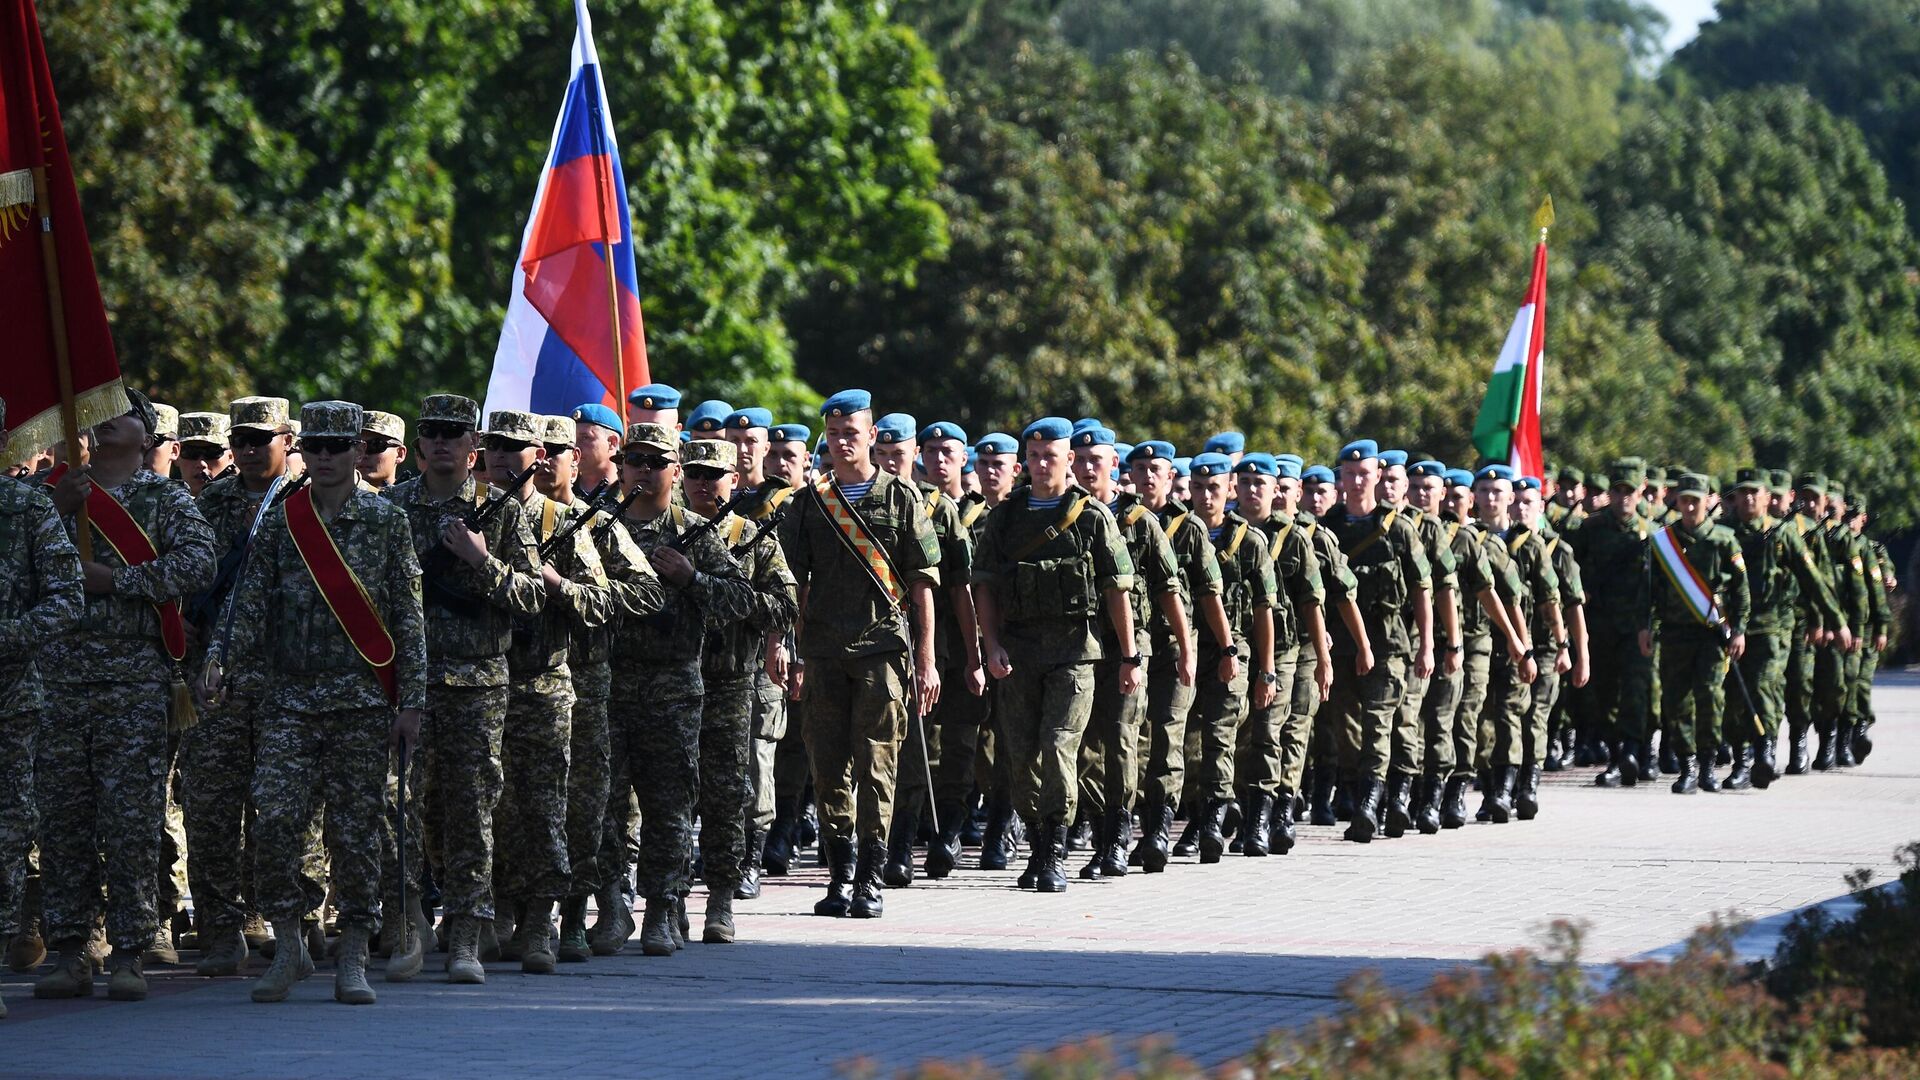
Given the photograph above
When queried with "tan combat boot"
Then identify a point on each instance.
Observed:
(613, 923)
(28, 948)
(719, 927)
(536, 938)
(656, 928)
(350, 985)
(463, 953)
(129, 982)
(290, 963)
(259, 934)
(422, 925)
(162, 951)
(72, 974)
(223, 951)
(406, 954)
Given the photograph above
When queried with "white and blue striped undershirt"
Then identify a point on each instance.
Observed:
(856, 492)
(1034, 502)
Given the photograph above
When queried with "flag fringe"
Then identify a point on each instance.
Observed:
(90, 407)
(16, 188)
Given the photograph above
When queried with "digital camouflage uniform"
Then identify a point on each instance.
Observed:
(654, 716)
(531, 848)
(1050, 596)
(325, 715)
(40, 600)
(854, 643)
(470, 617)
(100, 766)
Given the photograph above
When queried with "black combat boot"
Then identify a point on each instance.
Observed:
(1723, 754)
(1497, 799)
(1526, 794)
(1555, 751)
(777, 859)
(944, 853)
(1097, 849)
(1426, 815)
(1322, 802)
(1453, 811)
(1798, 757)
(1280, 834)
(1689, 781)
(1398, 803)
(1611, 776)
(1762, 764)
(1862, 743)
(1843, 747)
(1630, 771)
(1366, 811)
(1345, 790)
(1189, 842)
(1153, 835)
(840, 867)
(1709, 782)
(975, 830)
(897, 873)
(1823, 758)
(1080, 837)
(867, 901)
(749, 887)
(1256, 823)
(1741, 778)
(1051, 842)
(1117, 825)
(1036, 855)
(1212, 840)
(1669, 758)
(995, 851)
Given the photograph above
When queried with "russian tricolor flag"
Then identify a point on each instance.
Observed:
(573, 333)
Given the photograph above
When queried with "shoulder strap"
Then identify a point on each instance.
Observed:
(933, 503)
(1376, 535)
(1519, 540)
(1134, 514)
(1280, 540)
(1048, 534)
(1233, 545)
(972, 514)
(1178, 520)
(549, 516)
(857, 538)
(738, 526)
(1551, 544)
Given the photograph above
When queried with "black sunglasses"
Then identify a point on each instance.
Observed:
(328, 445)
(252, 438)
(202, 451)
(555, 449)
(380, 446)
(502, 444)
(656, 462)
(443, 429)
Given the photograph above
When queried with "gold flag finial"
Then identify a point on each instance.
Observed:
(1543, 217)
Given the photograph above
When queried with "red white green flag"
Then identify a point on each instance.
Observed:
(1508, 427)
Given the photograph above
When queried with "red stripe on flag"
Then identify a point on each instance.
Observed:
(569, 214)
(569, 290)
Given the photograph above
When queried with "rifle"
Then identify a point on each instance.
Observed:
(664, 619)
(205, 605)
(438, 562)
(559, 539)
(278, 493)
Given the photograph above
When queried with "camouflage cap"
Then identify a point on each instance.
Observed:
(1598, 482)
(332, 420)
(260, 413)
(1780, 481)
(1657, 475)
(513, 424)
(1836, 490)
(450, 409)
(293, 425)
(204, 427)
(138, 405)
(654, 437)
(384, 424)
(1691, 484)
(166, 421)
(556, 430)
(716, 454)
(1755, 479)
(1811, 481)
(1627, 472)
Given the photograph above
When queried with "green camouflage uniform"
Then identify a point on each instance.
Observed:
(1546, 689)
(1450, 716)
(1834, 669)
(1050, 600)
(457, 773)
(1109, 753)
(1879, 579)
(956, 567)
(325, 717)
(1322, 743)
(1409, 732)
(1782, 577)
(1612, 553)
(1387, 556)
(1506, 718)
(1168, 702)
(40, 600)
(1693, 660)
(99, 771)
(960, 716)
(1247, 585)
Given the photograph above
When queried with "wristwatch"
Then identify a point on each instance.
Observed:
(1133, 661)
(1453, 648)
(1269, 678)
(1231, 650)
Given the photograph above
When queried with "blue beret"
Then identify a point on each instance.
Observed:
(1286, 467)
(1211, 465)
(595, 413)
(895, 427)
(1494, 472)
(1427, 468)
(1317, 474)
(972, 457)
(655, 396)
(1298, 461)
(1122, 449)
(1086, 423)
(1183, 466)
(1459, 478)
(996, 442)
(1527, 483)
(1258, 464)
(1359, 450)
(1047, 429)
(709, 415)
(1393, 457)
(789, 433)
(846, 402)
(745, 419)
(1227, 442)
(1093, 436)
(942, 429)
(1152, 448)
(686, 436)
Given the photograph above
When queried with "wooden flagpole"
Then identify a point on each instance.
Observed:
(57, 314)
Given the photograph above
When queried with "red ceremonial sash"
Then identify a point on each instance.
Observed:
(340, 587)
(135, 548)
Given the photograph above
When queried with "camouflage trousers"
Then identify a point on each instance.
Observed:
(310, 756)
(172, 886)
(1262, 738)
(100, 781)
(1834, 674)
(1764, 667)
(726, 756)
(1044, 712)
(1439, 710)
(459, 790)
(1110, 751)
(1799, 691)
(1296, 728)
(962, 722)
(530, 823)
(1503, 716)
(1620, 688)
(216, 776)
(1407, 750)
(769, 726)
(653, 731)
(920, 760)
(856, 717)
(1541, 698)
(1476, 677)
(589, 775)
(1168, 704)
(19, 814)
(1219, 708)
(1693, 673)
(790, 769)
(1363, 710)
(1860, 701)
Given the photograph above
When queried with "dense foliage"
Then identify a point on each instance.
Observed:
(1304, 219)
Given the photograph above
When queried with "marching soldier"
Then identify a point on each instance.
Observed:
(1811, 632)
(1611, 547)
(386, 437)
(1505, 716)
(997, 460)
(1559, 633)
(864, 557)
(475, 583)
(330, 603)
(40, 600)
(1837, 664)
(789, 459)
(204, 453)
(99, 766)
(1881, 584)
(1050, 560)
(1408, 751)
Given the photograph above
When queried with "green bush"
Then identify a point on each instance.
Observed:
(1876, 951)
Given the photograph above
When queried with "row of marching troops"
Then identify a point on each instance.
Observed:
(584, 661)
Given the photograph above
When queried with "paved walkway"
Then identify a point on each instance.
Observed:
(1210, 956)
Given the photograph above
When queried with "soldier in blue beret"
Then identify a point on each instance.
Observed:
(1231, 443)
(1258, 464)
(597, 435)
(708, 420)
(655, 403)
(787, 454)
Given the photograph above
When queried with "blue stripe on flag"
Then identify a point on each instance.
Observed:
(560, 380)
